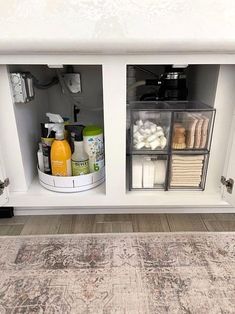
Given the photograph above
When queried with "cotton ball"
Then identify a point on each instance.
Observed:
(142, 131)
(163, 142)
(135, 128)
(147, 145)
(147, 124)
(139, 123)
(138, 136)
(159, 128)
(152, 138)
(155, 144)
(148, 131)
(140, 145)
(145, 136)
(153, 128)
(159, 133)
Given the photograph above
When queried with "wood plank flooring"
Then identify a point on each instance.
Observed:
(66, 224)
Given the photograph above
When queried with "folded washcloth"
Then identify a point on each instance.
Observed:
(185, 184)
(186, 163)
(184, 158)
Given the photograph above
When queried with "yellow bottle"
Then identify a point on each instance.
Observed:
(61, 158)
(60, 149)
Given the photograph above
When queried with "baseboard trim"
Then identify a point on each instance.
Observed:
(22, 211)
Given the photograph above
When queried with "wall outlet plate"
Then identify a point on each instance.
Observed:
(73, 82)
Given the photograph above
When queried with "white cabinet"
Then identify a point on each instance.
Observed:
(19, 129)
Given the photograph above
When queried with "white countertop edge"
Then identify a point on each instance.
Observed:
(18, 46)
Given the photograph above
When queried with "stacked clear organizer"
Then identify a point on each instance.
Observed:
(169, 145)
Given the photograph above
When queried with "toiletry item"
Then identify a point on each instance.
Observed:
(186, 171)
(40, 158)
(147, 134)
(178, 137)
(148, 173)
(137, 172)
(80, 159)
(198, 131)
(205, 127)
(46, 140)
(60, 149)
(190, 133)
(73, 129)
(159, 172)
(94, 146)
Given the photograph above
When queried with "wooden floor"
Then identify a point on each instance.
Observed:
(62, 224)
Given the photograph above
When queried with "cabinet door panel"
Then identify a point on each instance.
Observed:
(230, 169)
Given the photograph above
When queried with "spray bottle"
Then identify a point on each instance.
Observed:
(60, 149)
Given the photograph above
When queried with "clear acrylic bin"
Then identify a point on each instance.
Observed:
(192, 126)
(188, 171)
(169, 129)
(150, 127)
(148, 172)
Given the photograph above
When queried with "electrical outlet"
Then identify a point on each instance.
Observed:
(73, 82)
(22, 87)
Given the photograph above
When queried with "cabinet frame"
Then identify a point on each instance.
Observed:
(116, 195)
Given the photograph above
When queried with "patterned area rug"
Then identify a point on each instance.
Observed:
(118, 274)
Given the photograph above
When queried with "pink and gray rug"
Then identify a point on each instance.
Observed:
(153, 273)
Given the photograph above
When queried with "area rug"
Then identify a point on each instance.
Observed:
(118, 274)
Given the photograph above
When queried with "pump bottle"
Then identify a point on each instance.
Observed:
(60, 149)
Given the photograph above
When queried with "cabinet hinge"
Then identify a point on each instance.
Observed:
(3, 185)
(228, 183)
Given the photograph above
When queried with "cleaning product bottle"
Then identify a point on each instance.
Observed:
(80, 159)
(94, 146)
(47, 140)
(40, 158)
(60, 149)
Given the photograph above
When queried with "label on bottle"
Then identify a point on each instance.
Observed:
(61, 168)
(94, 147)
(80, 167)
(46, 158)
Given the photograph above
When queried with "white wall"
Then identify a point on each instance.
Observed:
(202, 82)
(90, 97)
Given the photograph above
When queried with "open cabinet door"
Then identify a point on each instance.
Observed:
(228, 186)
(4, 192)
